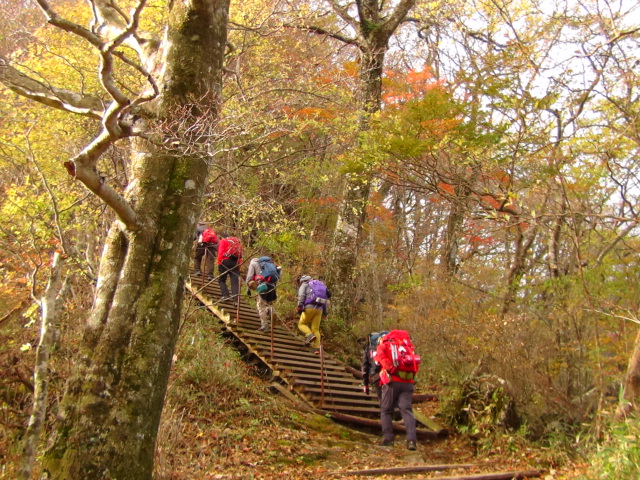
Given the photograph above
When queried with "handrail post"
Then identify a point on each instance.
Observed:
(271, 322)
(321, 376)
(238, 297)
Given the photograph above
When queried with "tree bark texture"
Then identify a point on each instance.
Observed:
(109, 416)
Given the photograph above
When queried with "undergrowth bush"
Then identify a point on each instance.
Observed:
(618, 457)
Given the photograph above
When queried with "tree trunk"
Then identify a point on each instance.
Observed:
(631, 392)
(374, 33)
(353, 209)
(51, 305)
(518, 266)
(455, 221)
(110, 413)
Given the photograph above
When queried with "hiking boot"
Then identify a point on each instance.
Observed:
(263, 329)
(411, 445)
(387, 443)
(197, 274)
(317, 351)
(309, 338)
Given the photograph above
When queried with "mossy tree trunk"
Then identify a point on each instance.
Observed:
(110, 413)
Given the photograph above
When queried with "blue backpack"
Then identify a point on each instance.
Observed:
(374, 341)
(268, 270)
(317, 294)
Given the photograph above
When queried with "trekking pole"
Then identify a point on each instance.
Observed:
(321, 376)
(203, 271)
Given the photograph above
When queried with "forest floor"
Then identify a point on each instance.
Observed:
(222, 421)
(265, 437)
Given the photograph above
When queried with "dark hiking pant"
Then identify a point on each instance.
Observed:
(210, 253)
(229, 268)
(397, 394)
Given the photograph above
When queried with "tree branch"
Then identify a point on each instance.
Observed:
(58, 98)
(321, 31)
(84, 168)
(397, 16)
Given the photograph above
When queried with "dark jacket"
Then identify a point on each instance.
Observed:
(370, 369)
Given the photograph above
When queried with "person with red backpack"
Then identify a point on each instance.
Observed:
(229, 261)
(399, 365)
(207, 247)
(313, 300)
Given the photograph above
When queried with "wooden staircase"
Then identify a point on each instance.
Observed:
(319, 381)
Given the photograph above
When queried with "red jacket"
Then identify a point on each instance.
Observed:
(383, 357)
(223, 248)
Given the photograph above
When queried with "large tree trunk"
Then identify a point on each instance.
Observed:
(353, 209)
(110, 413)
(374, 32)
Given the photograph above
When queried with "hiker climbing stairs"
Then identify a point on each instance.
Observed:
(320, 382)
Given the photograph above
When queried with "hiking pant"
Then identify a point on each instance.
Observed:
(310, 323)
(264, 311)
(397, 394)
(209, 252)
(229, 268)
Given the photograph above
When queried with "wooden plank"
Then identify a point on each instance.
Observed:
(307, 377)
(296, 400)
(409, 469)
(303, 378)
(430, 424)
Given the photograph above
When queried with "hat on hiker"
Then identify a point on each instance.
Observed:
(305, 278)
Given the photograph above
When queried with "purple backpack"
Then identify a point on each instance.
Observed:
(317, 294)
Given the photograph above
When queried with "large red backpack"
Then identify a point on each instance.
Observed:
(234, 248)
(402, 351)
(209, 236)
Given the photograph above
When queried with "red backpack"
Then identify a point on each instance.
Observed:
(234, 248)
(209, 236)
(402, 351)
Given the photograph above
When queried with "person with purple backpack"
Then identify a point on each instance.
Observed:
(313, 303)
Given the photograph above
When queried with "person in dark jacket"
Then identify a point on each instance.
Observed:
(207, 247)
(370, 368)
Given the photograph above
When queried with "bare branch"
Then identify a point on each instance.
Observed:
(343, 14)
(84, 168)
(58, 98)
(327, 33)
(54, 19)
(398, 15)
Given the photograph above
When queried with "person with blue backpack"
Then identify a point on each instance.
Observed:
(370, 367)
(263, 275)
(313, 303)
